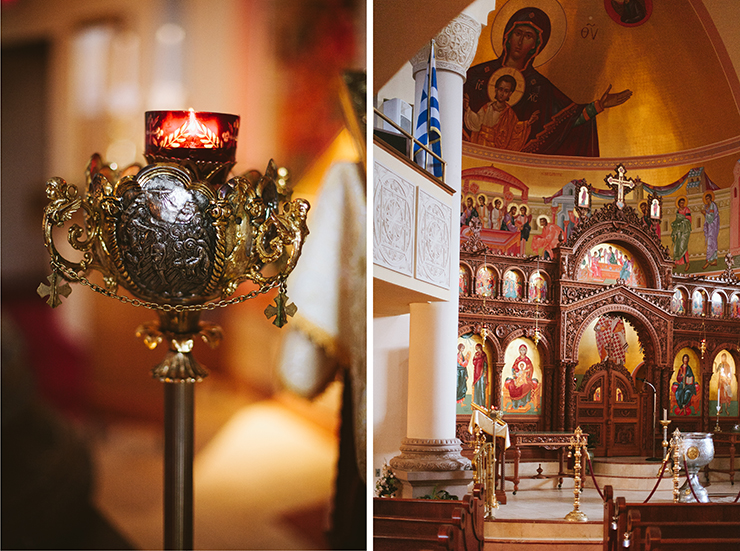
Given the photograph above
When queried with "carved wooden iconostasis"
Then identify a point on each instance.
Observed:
(589, 302)
(582, 335)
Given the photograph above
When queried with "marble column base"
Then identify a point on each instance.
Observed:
(426, 466)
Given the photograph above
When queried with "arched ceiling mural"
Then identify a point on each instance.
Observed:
(680, 73)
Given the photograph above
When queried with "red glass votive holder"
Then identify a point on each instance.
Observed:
(193, 135)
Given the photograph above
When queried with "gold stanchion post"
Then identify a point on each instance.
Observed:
(576, 443)
(676, 445)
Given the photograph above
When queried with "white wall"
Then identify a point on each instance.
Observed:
(390, 386)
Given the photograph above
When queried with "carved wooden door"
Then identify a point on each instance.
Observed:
(608, 409)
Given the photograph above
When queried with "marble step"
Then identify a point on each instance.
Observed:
(536, 534)
(626, 473)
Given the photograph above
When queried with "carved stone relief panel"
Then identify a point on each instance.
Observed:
(433, 241)
(393, 221)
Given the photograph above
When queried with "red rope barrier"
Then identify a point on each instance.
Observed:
(591, 469)
(660, 477)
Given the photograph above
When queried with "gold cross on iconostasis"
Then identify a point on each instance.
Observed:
(619, 184)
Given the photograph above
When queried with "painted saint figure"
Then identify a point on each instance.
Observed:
(524, 227)
(548, 239)
(469, 213)
(462, 372)
(484, 282)
(681, 232)
(711, 228)
(562, 127)
(678, 302)
(724, 384)
(496, 215)
(537, 288)
(508, 222)
(522, 384)
(480, 375)
(495, 124)
(685, 387)
(483, 211)
(512, 285)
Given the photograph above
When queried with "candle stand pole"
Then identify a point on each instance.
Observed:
(178, 461)
(180, 238)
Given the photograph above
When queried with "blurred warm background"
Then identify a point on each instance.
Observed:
(82, 419)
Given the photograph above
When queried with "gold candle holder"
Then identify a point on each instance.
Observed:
(180, 235)
(664, 423)
(716, 426)
(577, 442)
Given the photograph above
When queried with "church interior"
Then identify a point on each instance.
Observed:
(593, 274)
(82, 418)
(555, 330)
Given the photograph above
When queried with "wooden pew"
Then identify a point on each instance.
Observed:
(420, 524)
(670, 526)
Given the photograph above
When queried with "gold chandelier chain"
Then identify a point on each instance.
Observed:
(71, 275)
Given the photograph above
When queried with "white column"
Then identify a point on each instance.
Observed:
(431, 445)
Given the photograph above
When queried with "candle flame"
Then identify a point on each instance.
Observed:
(192, 134)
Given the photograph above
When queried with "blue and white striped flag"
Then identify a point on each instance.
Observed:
(428, 129)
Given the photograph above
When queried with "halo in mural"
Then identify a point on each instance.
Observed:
(629, 13)
(558, 26)
(521, 390)
(517, 94)
(607, 262)
(686, 201)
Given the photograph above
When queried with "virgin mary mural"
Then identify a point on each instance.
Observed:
(553, 123)
(521, 388)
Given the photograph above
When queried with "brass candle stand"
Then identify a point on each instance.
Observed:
(484, 462)
(577, 442)
(180, 236)
(717, 428)
(664, 423)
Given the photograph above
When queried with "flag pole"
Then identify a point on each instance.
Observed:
(429, 104)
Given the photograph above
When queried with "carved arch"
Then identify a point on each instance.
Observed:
(490, 339)
(705, 306)
(725, 304)
(646, 332)
(638, 246)
(545, 346)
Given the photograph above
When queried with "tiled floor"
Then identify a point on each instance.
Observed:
(554, 504)
(263, 475)
(544, 501)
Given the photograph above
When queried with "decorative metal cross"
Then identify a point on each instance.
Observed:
(619, 184)
(281, 310)
(57, 286)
